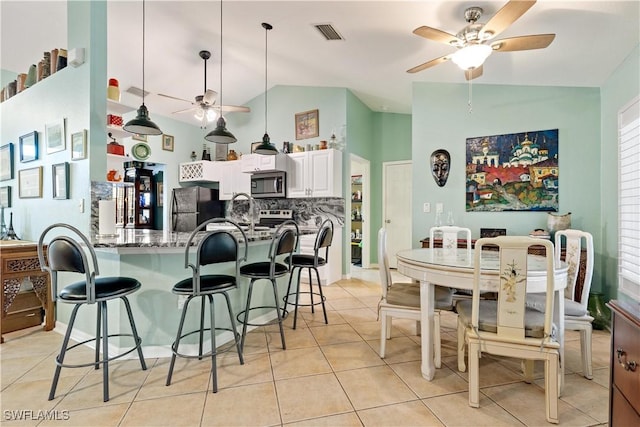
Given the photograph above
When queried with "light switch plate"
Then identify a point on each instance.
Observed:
(426, 207)
(439, 207)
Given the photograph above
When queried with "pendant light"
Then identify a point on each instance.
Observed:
(142, 125)
(220, 135)
(265, 146)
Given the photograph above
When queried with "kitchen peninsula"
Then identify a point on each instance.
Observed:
(156, 258)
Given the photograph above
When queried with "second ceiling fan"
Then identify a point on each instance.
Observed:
(473, 41)
(205, 108)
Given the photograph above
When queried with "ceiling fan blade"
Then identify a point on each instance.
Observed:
(186, 110)
(436, 35)
(173, 97)
(473, 74)
(538, 41)
(209, 97)
(429, 64)
(506, 16)
(232, 108)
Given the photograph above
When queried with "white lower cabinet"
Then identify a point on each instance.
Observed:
(315, 174)
(332, 271)
(233, 180)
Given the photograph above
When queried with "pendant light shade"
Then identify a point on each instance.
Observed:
(265, 146)
(220, 135)
(142, 125)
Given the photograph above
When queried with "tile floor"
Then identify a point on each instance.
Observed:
(330, 375)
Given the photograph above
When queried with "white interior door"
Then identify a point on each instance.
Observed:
(396, 207)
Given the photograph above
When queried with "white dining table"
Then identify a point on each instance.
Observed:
(454, 268)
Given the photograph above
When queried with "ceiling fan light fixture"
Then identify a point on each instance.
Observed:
(220, 135)
(141, 124)
(471, 56)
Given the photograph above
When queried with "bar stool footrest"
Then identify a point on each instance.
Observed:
(231, 344)
(283, 315)
(101, 361)
(290, 299)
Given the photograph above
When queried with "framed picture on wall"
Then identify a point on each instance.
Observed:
(55, 137)
(60, 181)
(79, 145)
(30, 183)
(307, 124)
(6, 162)
(29, 147)
(167, 142)
(5, 197)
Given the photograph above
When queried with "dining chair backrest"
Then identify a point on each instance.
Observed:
(216, 246)
(512, 273)
(68, 251)
(450, 234)
(573, 244)
(383, 262)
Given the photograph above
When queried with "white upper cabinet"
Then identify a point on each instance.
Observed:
(203, 170)
(263, 163)
(315, 174)
(233, 180)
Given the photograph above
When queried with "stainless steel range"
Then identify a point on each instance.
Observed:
(274, 217)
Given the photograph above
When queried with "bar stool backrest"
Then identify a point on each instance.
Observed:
(324, 239)
(66, 254)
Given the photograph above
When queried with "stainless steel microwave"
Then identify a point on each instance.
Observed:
(269, 185)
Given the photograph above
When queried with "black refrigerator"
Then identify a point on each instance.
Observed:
(191, 206)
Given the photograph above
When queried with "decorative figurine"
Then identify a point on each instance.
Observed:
(440, 165)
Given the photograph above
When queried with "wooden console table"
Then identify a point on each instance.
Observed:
(26, 295)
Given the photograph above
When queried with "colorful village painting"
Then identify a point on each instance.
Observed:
(513, 172)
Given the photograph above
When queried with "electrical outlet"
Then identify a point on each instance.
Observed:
(426, 207)
(439, 207)
(81, 205)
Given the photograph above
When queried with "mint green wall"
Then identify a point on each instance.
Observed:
(622, 87)
(441, 120)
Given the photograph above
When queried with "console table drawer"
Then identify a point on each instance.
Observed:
(626, 351)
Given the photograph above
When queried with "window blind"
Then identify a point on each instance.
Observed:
(629, 200)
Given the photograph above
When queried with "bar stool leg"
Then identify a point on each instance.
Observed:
(202, 325)
(105, 351)
(233, 327)
(324, 310)
(245, 319)
(295, 312)
(313, 310)
(63, 350)
(176, 344)
(286, 296)
(214, 348)
(98, 335)
(134, 331)
(275, 294)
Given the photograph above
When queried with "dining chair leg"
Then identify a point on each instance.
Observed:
(585, 348)
(552, 385)
(383, 334)
(527, 369)
(474, 374)
(63, 351)
(461, 345)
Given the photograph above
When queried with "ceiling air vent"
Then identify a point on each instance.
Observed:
(328, 31)
(136, 91)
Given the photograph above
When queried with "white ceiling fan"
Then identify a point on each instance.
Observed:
(205, 108)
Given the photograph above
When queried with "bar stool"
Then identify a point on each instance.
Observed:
(284, 241)
(216, 246)
(312, 262)
(66, 254)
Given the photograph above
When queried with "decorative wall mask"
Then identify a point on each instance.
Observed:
(440, 164)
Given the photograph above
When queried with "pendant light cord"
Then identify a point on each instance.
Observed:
(143, 31)
(266, 32)
(221, 104)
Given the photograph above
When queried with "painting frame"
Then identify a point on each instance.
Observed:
(30, 183)
(138, 137)
(6, 162)
(167, 142)
(513, 172)
(60, 181)
(307, 124)
(55, 136)
(79, 145)
(5, 197)
(29, 147)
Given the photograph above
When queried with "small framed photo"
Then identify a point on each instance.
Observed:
(307, 124)
(60, 181)
(79, 145)
(167, 142)
(137, 137)
(29, 147)
(30, 183)
(6, 162)
(5, 197)
(55, 137)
